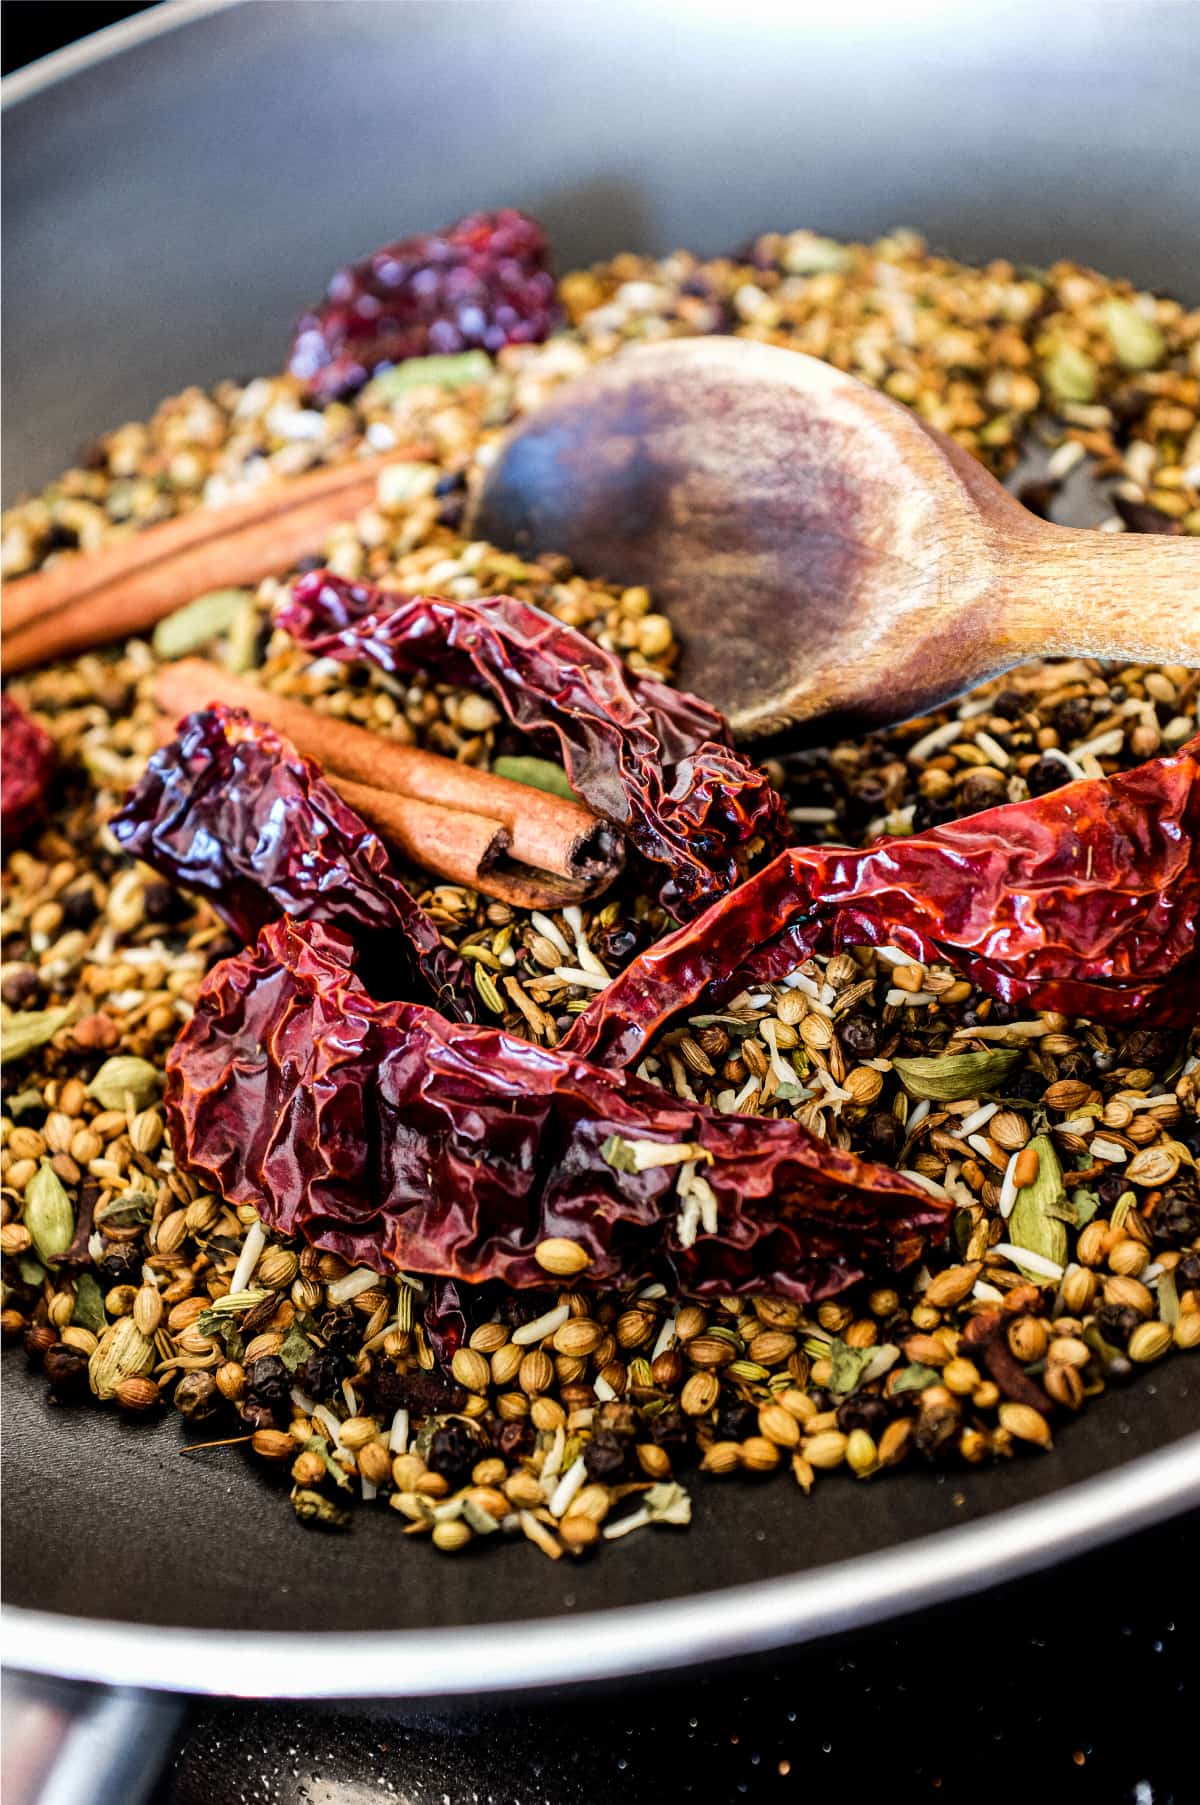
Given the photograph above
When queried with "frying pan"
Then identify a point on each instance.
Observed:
(175, 189)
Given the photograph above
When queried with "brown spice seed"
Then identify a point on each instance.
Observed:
(700, 1394)
(779, 1426)
(709, 1351)
(374, 1463)
(273, 1444)
(535, 1372)
(759, 1455)
(952, 1286)
(562, 1257)
(137, 1394)
(579, 1532)
(1026, 1423)
(470, 1369)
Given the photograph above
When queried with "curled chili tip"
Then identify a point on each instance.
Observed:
(1085, 900)
(656, 762)
(27, 764)
(230, 810)
(386, 1134)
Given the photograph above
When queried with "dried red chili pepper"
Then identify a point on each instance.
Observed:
(386, 1134)
(657, 762)
(231, 810)
(1086, 899)
(483, 282)
(27, 764)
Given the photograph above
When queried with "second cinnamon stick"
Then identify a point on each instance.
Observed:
(547, 832)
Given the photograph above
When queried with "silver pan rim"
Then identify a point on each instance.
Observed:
(624, 1641)
(110, 40)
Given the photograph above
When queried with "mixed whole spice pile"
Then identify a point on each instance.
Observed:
(854, 1123)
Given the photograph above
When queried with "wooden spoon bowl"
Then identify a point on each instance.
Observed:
(823, 554)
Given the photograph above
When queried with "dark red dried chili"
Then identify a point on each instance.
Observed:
(483, 282)
(656, 762)
(386, 1134)
(231, 810)
(1086, 899)
(27, 762)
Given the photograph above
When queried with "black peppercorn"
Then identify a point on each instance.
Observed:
(866, 1413)
(883, 1136)
(268, 1381)
(196, 1395)
(1028, 1086)
(1177, 1218)
(1116, 1323)
(1009, 703)
(453, 1452)
(119, 1264)
(1073, 718)
(78, 906)
(1111, 1188)
(736, 1418)
(1046, 775)
(605, 1457)
(325, 1370)
(670, 1431)
(340, 1332)
(66, 1367)
(859, 1035)
(21, 988)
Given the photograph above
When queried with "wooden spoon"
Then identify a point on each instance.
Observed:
(823, 554)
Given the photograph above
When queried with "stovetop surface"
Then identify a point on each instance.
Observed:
(1077, 1686)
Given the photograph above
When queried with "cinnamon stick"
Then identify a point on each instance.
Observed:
(128, 586)
(457, 846)
(453, 844)
(549, 833)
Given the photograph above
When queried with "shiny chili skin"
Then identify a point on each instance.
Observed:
(399, 1140)
(1085, 900)
(27, 763)
(654, 761)
(229, 809)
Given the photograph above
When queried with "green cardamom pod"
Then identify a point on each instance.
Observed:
(25, 1030)
(456, 370)
(197, 623)
(1034, 1223)
(48, 1214)
(124, 1076)
(1071, 375)
(957, 1075)
(1137, 340)
(535, 774)
(124, 1353)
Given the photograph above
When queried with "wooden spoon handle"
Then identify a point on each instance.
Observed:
(1107, 595)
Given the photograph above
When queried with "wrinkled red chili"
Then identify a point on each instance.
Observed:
(1086, 900)
(398, 1140)
(231, 810)
(656, 762)
(27, 763)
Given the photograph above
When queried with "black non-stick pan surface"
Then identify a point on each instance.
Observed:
(168, 208)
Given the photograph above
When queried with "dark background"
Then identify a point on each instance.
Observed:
(1077, 1686)
(33, 28)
